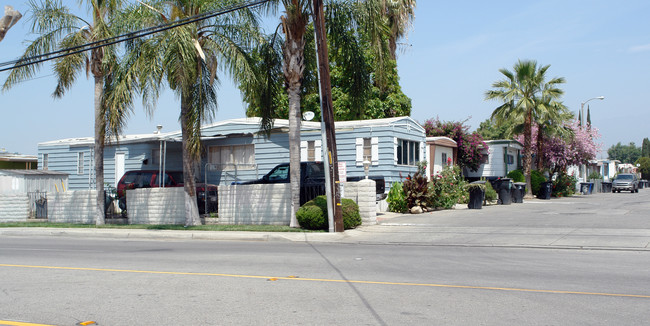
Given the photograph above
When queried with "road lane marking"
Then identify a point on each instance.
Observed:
(17, 323)
(294, 278)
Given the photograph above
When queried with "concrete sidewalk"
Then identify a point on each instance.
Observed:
(599, 221)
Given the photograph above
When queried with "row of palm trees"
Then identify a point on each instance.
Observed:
(188, 59)
(529, 99)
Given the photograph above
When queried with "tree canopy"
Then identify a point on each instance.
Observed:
(469, 144)
(624, 153)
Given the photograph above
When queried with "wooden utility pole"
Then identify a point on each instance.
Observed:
(327, 111)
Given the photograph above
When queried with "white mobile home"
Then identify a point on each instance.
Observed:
(499, 158)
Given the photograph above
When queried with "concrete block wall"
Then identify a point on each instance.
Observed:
(363, 193)
(14, 207)
(268, 204)
(156, 205)
(76, 206)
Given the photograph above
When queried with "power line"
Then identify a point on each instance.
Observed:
(125, 37)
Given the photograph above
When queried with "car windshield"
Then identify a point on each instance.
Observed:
(625, 177)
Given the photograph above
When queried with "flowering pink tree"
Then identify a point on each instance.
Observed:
(560, 152)
(469, 144)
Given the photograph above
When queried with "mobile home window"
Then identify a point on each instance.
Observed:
(155, 156)
(230, 156)
(367, 149)
(80, 163)
(444, 159)
(408, 152)
(511, 159)
(311, 151)
(45, 161)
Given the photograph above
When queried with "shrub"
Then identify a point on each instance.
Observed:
(490, 193)
(416, 190)
(447, 188)
(595, 175)
(536, 179)
(396, 198)
(516, 176)
(311, 217)
(564, 185)
(313, 214)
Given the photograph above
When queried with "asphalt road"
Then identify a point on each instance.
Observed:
(404, 272)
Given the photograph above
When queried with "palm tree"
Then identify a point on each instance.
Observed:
(295, 22)
(188, 58)
(524, 94)
(59, 29)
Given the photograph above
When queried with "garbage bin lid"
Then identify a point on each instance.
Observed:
(520, 183)
(480, 182)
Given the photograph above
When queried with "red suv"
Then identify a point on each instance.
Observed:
(206, 196)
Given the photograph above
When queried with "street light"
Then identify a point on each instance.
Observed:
(582, 108)
(582, 123)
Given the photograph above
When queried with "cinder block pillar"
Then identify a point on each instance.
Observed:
(366, 199)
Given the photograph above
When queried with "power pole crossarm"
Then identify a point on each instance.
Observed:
(10, 19)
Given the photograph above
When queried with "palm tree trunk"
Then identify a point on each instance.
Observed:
(191, 207)
(528, 155)
(100, 123)
(294, 153)
(294, 65)
(540, 149)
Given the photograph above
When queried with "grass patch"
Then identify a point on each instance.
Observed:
(249, 228)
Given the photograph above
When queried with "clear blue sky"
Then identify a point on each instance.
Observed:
(454, 52)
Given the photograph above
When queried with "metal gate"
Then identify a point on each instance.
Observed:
(37, 204)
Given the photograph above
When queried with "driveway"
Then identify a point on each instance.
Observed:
(603, 220)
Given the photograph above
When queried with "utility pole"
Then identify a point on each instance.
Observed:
(327, 111)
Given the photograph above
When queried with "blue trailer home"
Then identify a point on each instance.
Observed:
(235, 150)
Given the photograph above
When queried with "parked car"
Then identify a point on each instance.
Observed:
(312, 183)
(625, 181)
(149, 179)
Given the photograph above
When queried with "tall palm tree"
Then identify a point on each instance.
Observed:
(524, 93)
(58, 28)
(188, 58)
(295, 22)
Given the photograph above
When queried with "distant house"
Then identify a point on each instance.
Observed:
(499, 158)
(17, 161)
(235, 150)
(441, 151)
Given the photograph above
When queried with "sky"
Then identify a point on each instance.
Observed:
(451, 57)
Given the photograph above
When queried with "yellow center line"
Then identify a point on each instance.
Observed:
(294, 278)
(17, 323)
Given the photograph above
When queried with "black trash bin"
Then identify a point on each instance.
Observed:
(504, 189)
(476, 195)
(607, 186)
(518, 192)
(641, 184)
(545, 190)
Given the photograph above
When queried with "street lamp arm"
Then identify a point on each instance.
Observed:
(593, 98)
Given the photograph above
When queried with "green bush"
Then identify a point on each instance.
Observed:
(595, 175)
(311, 217)
(490, 193)
(396, 198)
(536, 179)
(564, 185)
(447, 189)
(313, 214)
(516, 176)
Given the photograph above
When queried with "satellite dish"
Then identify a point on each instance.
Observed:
(308, 115)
